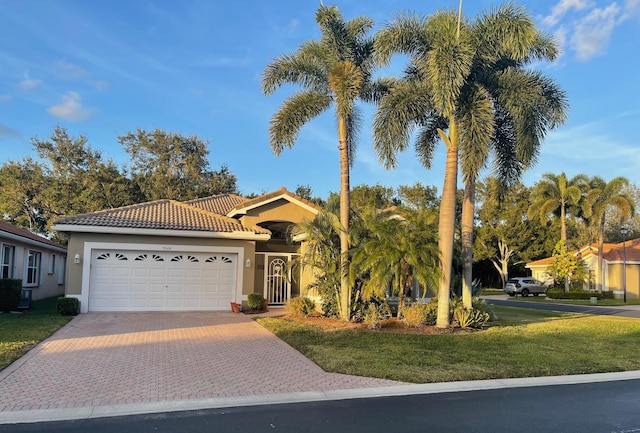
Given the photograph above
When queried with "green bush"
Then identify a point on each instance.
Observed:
(254, 301)
(10, 294)
(68, 306)
(559, 293)
(469, 318)
(300, 306)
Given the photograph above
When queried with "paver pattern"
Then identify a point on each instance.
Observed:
(102, 359)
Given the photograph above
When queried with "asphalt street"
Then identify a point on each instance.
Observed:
(606, 407)
(605, 311)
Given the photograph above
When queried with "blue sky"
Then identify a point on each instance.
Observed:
(103, 69)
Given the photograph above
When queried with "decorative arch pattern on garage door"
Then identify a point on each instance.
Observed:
(138, 280)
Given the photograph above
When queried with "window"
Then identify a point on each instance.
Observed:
(52, 264)
(34, 258)
(7, 253)
(62, 269)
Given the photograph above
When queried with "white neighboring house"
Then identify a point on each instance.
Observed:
(617, 259)
(37, 261)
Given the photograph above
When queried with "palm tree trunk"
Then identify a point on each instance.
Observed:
(563, 237)
(467, 242)
(600, 254)
(447, 223)
(345, 288)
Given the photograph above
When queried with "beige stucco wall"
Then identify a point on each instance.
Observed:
(52, 268)
(614, 274)
(279, 210)
(77, 242)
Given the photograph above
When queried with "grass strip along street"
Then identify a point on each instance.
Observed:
(521, 343)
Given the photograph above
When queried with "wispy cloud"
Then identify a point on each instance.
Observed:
(587, 29)
(68, 70)
(29, 84)
(5, 132)
(70, 108)
(5, 98)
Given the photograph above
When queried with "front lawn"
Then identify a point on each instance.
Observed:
(19, 332)
(522, 343)
(600, 303)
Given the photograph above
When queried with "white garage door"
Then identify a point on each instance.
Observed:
(124, 280)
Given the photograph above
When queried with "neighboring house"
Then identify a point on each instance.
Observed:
(201, 254)
(613, 262)
(37, 261)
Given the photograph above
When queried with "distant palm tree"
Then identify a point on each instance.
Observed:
(470, 80)
(602, 196)
(334, 70)
(402, 249)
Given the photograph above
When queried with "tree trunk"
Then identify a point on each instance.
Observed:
(563, 237)
(345, 288)
(600, 280)
(447, 223)
(467, 243)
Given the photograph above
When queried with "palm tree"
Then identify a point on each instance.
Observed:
(401, 249)
(555, 193)
(333, 71)
(602, 196)
(470, 80)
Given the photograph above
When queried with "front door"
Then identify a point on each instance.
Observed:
(277, 282)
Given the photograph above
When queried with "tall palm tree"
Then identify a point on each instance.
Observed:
(333, 71)
(603, 195)
(467, 84)
(553, 194)
(401, 249)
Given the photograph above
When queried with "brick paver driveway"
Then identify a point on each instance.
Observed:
(103, 359)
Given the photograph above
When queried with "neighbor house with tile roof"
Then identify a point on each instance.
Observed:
(614, 258)
(201, 254)
(39, 262)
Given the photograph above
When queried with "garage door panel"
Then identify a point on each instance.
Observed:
(161, 281)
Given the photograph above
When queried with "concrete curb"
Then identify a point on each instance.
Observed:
(33, 416)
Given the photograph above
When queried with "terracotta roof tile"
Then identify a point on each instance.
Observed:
(611, 252)
(161, 215)
(219, 204)
(10, 228)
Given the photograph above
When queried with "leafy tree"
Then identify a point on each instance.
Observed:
(170, 165)
(566, 266)
(374, 196)
(419, 196)
(333, 71)
(306, 193)
(615, 219)
(469, 84)
(505, 236)
(21, 192)
(602, 196)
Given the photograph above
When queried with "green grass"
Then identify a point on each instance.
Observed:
(601, 302)
(19, 332)
(521, 343)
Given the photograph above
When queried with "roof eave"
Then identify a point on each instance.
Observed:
(237, 235)
(242, 210)
(32, 242)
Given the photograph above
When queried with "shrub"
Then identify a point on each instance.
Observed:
(415, 315)
(68, 306)
(470, 318)
(254, 301)
(559, 293)
(10, 294)
(300, 306)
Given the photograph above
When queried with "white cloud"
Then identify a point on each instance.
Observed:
(70, 108)
(593, 32)
(5, 131)
(29, 84)
(561, 9)
(5, 98)
(69, 70)
(99, 84)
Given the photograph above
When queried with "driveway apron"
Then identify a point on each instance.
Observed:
(104, 359)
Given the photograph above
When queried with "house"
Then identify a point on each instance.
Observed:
(201, 254)
(613, 263)
(39, 262)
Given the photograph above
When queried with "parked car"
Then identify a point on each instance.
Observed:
(524, 286)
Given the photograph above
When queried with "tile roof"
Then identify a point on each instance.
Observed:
(10, 228)
(161, 215)
(219, 204)
(274, 194)
(610, 252)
